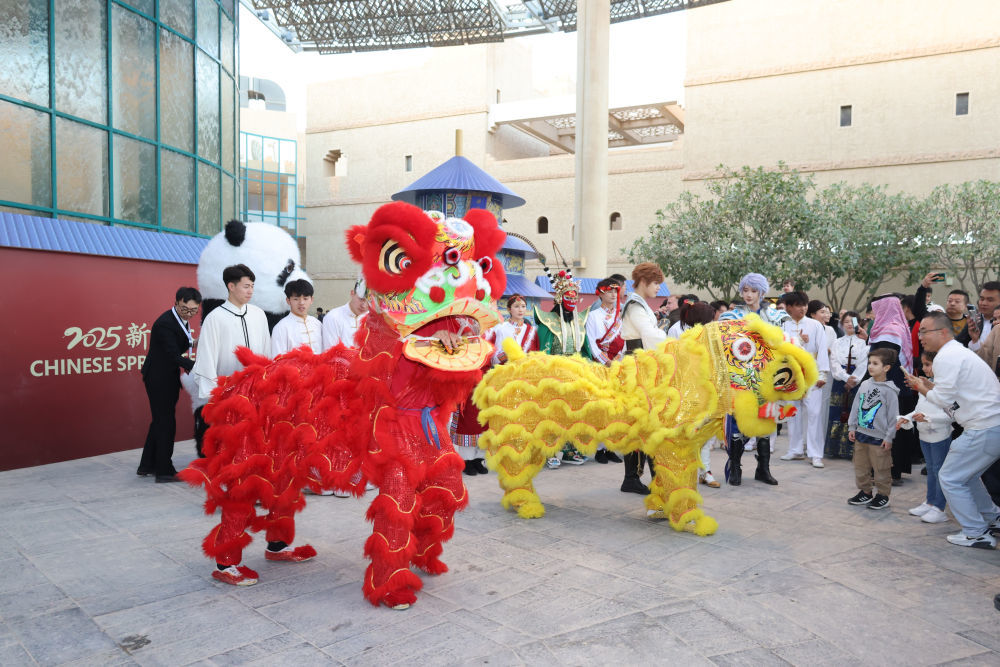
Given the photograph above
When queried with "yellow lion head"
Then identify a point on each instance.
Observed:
(764, 368)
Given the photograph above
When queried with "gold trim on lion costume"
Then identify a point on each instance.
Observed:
(667, 402)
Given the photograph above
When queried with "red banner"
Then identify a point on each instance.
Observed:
(77, 332)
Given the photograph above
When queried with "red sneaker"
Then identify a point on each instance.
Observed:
(237, 575)
(290, 554)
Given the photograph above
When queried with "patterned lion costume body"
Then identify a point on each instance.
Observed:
(667, 402)
(377, 413)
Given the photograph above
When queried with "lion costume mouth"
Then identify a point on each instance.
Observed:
(470, 353)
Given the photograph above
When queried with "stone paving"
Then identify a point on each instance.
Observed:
(101, 567)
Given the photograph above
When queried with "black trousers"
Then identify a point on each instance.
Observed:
(159, 447)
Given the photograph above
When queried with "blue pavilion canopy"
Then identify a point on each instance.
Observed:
(458, 174)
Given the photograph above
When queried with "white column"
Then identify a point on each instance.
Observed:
(590, 201)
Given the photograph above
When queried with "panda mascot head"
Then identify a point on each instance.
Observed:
(270, 253)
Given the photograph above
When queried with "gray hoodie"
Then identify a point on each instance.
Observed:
(875, 410)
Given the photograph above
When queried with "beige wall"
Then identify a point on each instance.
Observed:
(765, 82)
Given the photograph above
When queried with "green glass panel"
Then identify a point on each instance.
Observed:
(81, 168)
(146, 6)
(228, 198)
(177, 191)
(288, 157)
(270, 154)
(133, 73)
(179, 15)
(208, 26)
(208, 107)
(25, 175)
(24, 50)
(135, 180)
(81, 62)
(209, 220)
(228, 122)
(228, 45)
(176, 91)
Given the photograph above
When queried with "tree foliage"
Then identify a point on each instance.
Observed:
(841, 239)
(963, 230)
(862, 236)
(752, 222)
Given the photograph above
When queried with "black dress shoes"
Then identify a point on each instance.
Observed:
(165, 479)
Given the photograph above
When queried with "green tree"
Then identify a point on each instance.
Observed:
(753, 222)
(963, 230)
(861, 237)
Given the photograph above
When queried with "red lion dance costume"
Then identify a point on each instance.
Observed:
(379, 412)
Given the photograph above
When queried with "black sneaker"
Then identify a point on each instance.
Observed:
(612, 457)
(861, 498)
(879, 502)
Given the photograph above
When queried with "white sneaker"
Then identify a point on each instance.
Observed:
(793, 457)
(369, 486)
(326, 492)
(985, 541)
(553, 462)
(933, 515)
(818, 463)
(340, 494)
(921, 509)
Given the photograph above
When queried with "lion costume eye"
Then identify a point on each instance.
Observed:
(452, 256)
(486, 264)
(393, 258)
(744, 348)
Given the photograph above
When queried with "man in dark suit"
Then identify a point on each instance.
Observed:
(170, 340)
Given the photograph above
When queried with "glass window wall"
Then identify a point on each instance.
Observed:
(84, 134)
(269, 177)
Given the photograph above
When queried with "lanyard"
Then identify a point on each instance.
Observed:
(184, 328)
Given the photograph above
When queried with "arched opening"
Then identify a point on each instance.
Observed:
(616, 220)
(543, 225)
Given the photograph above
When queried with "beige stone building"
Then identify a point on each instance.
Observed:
(897, 92)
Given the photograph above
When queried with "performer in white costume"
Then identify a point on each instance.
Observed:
(341, 323)
(298, 327)
(236, 323)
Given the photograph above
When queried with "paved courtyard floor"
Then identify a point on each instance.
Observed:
(101, 567)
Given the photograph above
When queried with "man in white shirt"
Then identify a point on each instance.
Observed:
(341, 323)
(236, 323)
(966, 388)
(806, 428)
(298, 327)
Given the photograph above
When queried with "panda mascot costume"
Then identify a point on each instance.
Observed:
(274, 257)
(270, 253)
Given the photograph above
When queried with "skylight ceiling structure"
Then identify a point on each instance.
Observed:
(343, 26)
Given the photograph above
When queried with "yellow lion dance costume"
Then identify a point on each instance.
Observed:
(667, 402)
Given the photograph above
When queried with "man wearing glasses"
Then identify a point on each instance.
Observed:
(170, 344)
(966, 388)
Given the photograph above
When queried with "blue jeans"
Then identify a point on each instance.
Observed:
(970, 455)
(934, 455)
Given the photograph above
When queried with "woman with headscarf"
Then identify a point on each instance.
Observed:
(891, 330)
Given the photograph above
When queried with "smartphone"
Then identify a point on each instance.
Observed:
(938, 278)
(854, 322)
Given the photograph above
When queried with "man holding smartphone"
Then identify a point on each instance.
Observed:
(966, 388)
